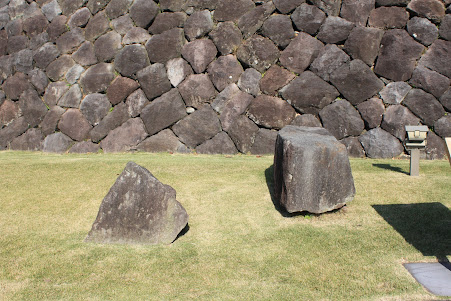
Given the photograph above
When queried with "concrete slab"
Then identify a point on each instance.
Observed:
(434, 276)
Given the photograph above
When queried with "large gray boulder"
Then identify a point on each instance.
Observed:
(138, 209)
(300, 53)
(126, 137)
(258, 52)
(377, 143)
(311, 171)
(342, 119)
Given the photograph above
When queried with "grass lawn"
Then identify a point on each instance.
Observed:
(238, 247)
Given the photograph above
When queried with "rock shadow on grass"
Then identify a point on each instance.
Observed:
(390, 167)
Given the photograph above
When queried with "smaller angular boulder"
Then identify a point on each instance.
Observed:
(311, 171)
(138, 209)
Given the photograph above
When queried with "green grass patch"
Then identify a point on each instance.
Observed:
(238, 247)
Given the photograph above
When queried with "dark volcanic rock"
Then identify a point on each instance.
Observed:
(311, 171)
(335, 30)
(354, 147)
(395, 92)
(330, 7)
(227, 37)
(380, 144)
(328, 60)
(357, 11)
(51, 119)
(95, 107)
(131, 59)
(79, 18)
(84, 147)
(424, 105)
(224, 71)
(431, 81)
(279, 29)
(32, 107)
(445, 28)
(249, 81)
(308, 93)
(196, 90)
(74, 125)
(435, 147)
(46, 54)
(178, 69)
(57, 27)
(445, 100)
(271, 112)
(39, 80)
(219, 144)
(363, 44)
(300, 53)
(69, 41)
(136, 102)
(252, 21)
(57, 69)
(136, 35)
(154, 80)
(107, 45)
(265, 141)
(388, 17)
(35, 24)
(431, 9)
(198, 24)
(396, 118)
(199, 53)
(125, 137)
(120, 88)
(97, 78)
(165, 46)
(341, 119)
(438, 57)
(143, 12)
(443, 126)
(398, 55)
(422, 30)
(118, 116)
(57, 143)
(123, 24)
(15, 85)
(16, 44)
(198, 127)
(258, 52)
(54, 91)
(72, 98)
(31, 140)
(138, 209)
(15, 128)
(164, 141)
(243, 132)
(275, 78)
(97, 26)
(308, 18)
(306, 120)
(117, 8)
(167, 20)
(232, 10)
(286, 6)
(356, 81)
(85, 54)
(9, 110)
(163, 112)
(371, 112)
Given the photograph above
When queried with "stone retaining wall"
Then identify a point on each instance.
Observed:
(222, 76)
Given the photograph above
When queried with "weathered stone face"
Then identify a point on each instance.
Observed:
(300, 53)
(357, 11)
(252, 21)
(199, 53)
(311, 171)
(363, 44)
(31, 140)
(118, 116)
(164, 141)
(279, 29)
(57, 143)
(329, 59)
(275, 78)
(138, 209)
(97, 78)
(335, 30)
(163, 112)
(431, 9)
(154, 80)
(443, 126)
(224, 71)
(341, 119)
(437, 57)
(196, 90)
(380, 144)
(353, 146)
(106, 46)
(198, 127)
(32, 107)
(120, 88)
(309, 120)
(165, 46)
(258, 52)
(84, 147)
(271, 112)
(72, 98)
(96, 26)
(264, 143)
(243, 132)
(398, 55)
(227, 37)
(395, 92)
(371, 112)
(95, 107)
(308, 18)
(388, 17)
(232, 10)
(178, 69)
(249, 81)
(396, 118)
(422, 30)
(424, 105)
(219, 144)
(125, 137)
(198, 24)
(308, 93)
(431, 81)
(167, 20)
(74, 125)
(143, 12)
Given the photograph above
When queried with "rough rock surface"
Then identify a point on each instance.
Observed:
(271, 112)
(125, 137)
(311, 171)
(138, 209)
(380, 144)
(341, 119)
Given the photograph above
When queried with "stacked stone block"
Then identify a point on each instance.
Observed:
(223, 76)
